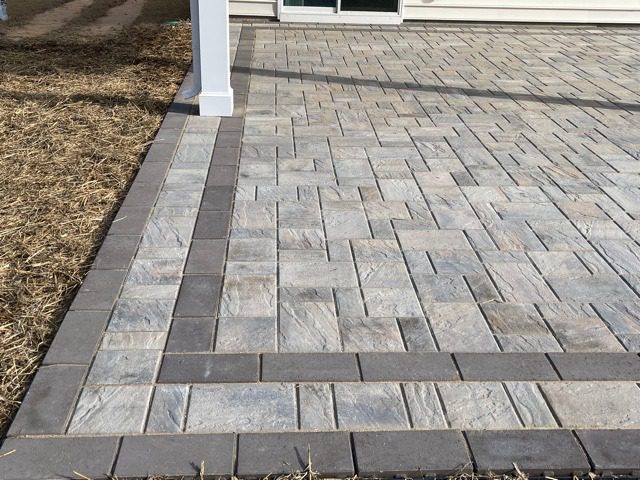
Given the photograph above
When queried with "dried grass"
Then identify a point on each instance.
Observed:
(75, 118)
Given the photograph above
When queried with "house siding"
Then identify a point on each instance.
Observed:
(562, 11)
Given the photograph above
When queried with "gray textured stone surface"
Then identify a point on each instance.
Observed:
(242, 408)
(370, 407)
(595, 404)
(478, 406)
(111, 409)
(168, 409)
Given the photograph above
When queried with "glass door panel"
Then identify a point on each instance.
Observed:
(369, 5)
(310, 3)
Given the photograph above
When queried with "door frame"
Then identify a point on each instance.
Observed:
(335, 15)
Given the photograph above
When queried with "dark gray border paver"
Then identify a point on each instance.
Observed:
(77, 338)
(189, 335)
(99, 290)
(407, 367)
(209, 368)
(310, 367)
(198, 296)
(613, 452)
(57, 458)
(175, 455)
(548, 452)
(437, 452)
(49, 401)
(505, 366)
(260, 454)
(597, 366)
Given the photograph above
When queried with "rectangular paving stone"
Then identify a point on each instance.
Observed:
(175, 455)
(141, 315)
(130, 221)
(111, 409)
(167, 232)
(504, 366)
(433, 240)
(370, 406)
(391, 302)
(597, 366)
(318, 274)
(520, 283)
(125, 367)
(49, 401)
(284, 453)
(189, 335)
(212, 224)
(99, 290)
(531, 405)
(206, 257)
(116, 252)
(168, 408)
(208, 368)
(77, 338)
(416, 334)
(310, 367)
(61, 457)
(594, 404)
(361, 334)
(475, 406)
(406, 454)
(217, 198)
(471, 331)
(245, 407)
(133, 341)
(316, 409)
(308, 327)
(249, 296)
(424, 406)
(593, 288)
(613, 452)
(407, 367)
(199, 296)
(246, 335)
(546, 452)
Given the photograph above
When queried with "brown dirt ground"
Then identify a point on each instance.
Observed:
(76, 116)
(22, 12)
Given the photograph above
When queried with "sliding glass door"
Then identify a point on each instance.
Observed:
(358, 11)
(310, 3)
(369, 5)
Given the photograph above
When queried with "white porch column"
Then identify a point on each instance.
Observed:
(211, 57)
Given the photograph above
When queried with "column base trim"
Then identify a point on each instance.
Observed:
(216, 104)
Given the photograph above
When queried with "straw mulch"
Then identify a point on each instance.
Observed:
(75, 119)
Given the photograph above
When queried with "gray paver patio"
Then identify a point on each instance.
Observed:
(403, 233)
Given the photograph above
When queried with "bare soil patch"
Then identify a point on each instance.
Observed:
(75, 120)
(114, 20)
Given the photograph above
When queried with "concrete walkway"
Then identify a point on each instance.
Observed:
(412, 250)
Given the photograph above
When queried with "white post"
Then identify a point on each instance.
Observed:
(216, 95)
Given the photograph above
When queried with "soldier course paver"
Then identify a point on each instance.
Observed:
(412, 250)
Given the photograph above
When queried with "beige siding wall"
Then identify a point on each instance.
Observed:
(585, 11)
(263, 8)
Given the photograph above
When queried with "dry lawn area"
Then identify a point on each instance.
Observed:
(76, 116)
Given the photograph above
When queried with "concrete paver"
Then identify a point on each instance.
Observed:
(403, 234)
